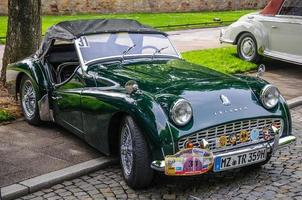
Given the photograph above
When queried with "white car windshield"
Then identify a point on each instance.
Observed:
(100, 46)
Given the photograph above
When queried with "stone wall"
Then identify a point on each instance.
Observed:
(129, 6)
(3, 7)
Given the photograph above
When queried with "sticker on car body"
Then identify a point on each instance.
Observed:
(189, 162)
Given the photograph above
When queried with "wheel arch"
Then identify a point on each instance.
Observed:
(239, 35)
(151, 120)
(113, 131)
(254, 28)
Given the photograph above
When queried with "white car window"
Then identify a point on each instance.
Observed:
(292, 7)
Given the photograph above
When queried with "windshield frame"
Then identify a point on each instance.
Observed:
(85, 64)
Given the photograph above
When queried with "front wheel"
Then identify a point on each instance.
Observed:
(135, 156)
(29, 104)
(247, 48)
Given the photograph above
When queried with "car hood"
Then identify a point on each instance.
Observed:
(216, 102)
(168, 81)
(159, 76)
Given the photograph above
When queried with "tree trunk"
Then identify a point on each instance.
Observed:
(23, 31)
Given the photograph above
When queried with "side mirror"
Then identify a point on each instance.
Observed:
(261, 71)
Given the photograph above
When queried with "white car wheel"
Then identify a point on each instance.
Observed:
(247, 48)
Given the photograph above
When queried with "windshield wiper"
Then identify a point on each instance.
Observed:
(158, 51)
(126, 52)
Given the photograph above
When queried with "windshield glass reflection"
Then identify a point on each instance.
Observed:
(98, 46)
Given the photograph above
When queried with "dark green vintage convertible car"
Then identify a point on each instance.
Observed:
(125, 89)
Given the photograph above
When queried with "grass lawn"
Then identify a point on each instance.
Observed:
(160, 20)
(5, 116)
(221, 59)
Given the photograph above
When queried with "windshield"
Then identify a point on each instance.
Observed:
(99, 46)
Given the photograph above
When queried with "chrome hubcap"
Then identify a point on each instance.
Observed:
(126, 150)
(248, 48)
(28, 99)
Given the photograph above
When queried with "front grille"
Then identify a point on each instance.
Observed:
(213, 134)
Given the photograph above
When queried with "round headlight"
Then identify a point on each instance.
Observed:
(270, 96)
(181, 112)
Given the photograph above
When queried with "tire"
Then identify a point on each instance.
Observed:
(29, 103)
(247, 48)
(138, 173)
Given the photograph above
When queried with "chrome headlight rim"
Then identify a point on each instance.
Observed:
(173, 114)
(264, 91)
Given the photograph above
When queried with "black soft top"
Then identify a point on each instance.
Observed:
(70, 30)
(75, 29)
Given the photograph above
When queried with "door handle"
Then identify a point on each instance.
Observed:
(274, 27)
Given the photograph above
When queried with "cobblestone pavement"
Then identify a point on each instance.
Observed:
(281, 178)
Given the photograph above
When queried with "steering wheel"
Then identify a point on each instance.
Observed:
(150, 47)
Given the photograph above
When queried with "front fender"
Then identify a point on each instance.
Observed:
(248, 24)
(257, 84)
(155, 123)
(102, 105)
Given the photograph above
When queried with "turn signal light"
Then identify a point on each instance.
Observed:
(189, 145)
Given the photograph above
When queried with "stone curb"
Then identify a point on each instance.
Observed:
(295, 102)
(47, 180)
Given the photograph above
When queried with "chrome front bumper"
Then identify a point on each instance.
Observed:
(159, 165)
(223, 39)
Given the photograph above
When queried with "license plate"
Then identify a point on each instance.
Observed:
(228, 162)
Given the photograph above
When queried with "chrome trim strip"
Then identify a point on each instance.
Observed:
(263, 91)
(281, 7)
(226, 41)
(159, 165)
(283, 57)
(213, 133)
(175, 49)
(130, 56)
(82, 63)
(286, 141)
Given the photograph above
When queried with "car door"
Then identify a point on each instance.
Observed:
(285, 30)
(67, 103)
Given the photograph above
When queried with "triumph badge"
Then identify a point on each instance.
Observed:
(225, 100)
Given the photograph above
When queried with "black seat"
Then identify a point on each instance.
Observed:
(62, 60)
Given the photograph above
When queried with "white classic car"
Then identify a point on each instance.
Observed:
(275, 32)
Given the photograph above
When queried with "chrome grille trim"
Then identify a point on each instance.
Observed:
(212, 134)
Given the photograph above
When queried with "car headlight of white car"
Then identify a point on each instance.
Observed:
(181, 112)
(270, 96)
